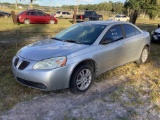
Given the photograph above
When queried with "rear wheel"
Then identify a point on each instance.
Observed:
(27, 21)
(144, 56)
(6, 16)
(86, 19)
(101, 18)
(81, 79)
(52, 22)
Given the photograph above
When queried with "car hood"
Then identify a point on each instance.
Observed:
(157, 30)
(49, 48)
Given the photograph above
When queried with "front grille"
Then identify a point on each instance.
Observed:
(20, 64)
(23, 65)
(32, 84)
(16, 61)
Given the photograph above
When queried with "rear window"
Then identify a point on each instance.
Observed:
(58, 12)
(88, 12)
(129, 30)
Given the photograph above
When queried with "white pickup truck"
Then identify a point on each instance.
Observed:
(121, 17)
(63, 14)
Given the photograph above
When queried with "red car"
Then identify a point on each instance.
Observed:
(35, 16)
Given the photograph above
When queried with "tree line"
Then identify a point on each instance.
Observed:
(131, 7)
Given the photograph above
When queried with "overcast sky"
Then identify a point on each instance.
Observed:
(60, 2)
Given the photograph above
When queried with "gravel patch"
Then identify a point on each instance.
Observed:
(95, 104)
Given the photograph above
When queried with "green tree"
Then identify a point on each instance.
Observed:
(134, 7)
(117, 7)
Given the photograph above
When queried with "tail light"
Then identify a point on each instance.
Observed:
(81, 17)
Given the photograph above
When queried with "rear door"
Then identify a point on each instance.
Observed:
(64, 15)
(68, 15)
(133, 41)
(41, 17)
(113, 53)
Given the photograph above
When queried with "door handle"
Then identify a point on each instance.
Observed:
(123, 45)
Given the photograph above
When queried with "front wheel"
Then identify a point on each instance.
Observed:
(27, 21)
(52, 22)
(81, 79)
(144, 56)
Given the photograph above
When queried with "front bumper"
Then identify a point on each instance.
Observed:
(46, 80)
(155, 37)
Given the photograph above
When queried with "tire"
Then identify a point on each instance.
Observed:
(5, 16)
(81, 79)
(51, 22)
(101, 18)
(144, 56)
(27, 21)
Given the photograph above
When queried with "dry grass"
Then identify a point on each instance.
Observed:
(143, 82)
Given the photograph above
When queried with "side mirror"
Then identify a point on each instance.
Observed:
(105, 41)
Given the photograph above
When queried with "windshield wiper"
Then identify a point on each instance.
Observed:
(73, 41)
(56, 39)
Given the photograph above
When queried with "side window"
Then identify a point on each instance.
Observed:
(129, 30)
(27, 13)
(40, 13)
(93, 13)
(63, 13)
(137, 31)
(33, 13)
(113, 34)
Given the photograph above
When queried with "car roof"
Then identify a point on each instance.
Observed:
(105, 22)
(33, 10)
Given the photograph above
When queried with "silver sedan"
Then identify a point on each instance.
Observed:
(76, 55)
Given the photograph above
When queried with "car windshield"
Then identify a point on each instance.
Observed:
(81, 33)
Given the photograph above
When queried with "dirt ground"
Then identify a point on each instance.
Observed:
(96, 104)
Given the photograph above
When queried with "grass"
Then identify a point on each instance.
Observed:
(142, 82)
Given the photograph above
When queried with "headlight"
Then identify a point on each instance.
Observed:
(51, 63)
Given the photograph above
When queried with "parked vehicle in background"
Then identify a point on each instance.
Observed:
(63, 14)
(87, 16)
(35, 16)
(4, 14)
(121, 17)
(156, 35)
(75, 56)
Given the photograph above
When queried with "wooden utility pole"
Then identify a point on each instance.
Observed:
(16, 4)
(74, 15)
(14, 17)
(31, 6)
